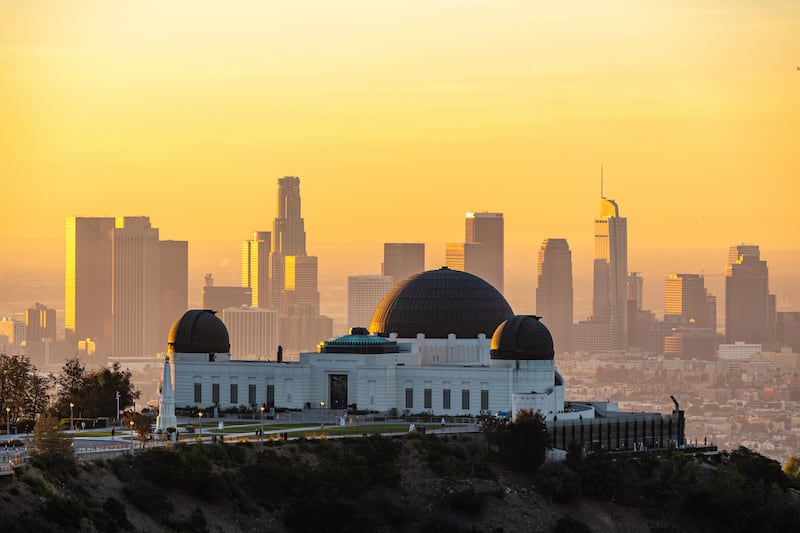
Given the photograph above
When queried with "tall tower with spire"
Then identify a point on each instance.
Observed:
(611, 271)
(166, 401)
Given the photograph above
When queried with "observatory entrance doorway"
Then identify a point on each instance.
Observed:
(337, 385)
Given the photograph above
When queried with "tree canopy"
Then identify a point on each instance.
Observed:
(94, 393)
(22, 390)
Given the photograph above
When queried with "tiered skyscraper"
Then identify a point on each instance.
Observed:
(747, 298)
(482, 252)
(293, 274)
(403, 259)
(611, 272)
(554, 291)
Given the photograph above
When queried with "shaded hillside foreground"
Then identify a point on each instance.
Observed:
(414, 483)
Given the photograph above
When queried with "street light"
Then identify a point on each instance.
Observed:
(131, 434)
(116, 418)
(8, 420)
(71, 417)
(200, 423)
(261, 435)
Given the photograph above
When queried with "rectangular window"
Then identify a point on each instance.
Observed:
(465, 399)
(445, 398)
(251, 394)
(270, 396)
(198, 393)
(215, 393)
(409, 398)
(234, 394)
(484, 400)
(428, 399)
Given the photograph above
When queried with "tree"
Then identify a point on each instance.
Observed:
(50, 447)
(94, 393)
(22, 390)
(528, 441)
(141, 425)
(792, 468)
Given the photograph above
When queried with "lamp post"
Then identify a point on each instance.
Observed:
(116, 417)
(131, 436)
(261, 435)
(8, 420)
(200, 423)
(71, 416)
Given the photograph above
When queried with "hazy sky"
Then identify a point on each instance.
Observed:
(401, 116)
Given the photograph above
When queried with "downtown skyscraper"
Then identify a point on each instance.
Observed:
(483, 251)
(88, 280)
(255, 267)
(610, 304)
(124, 287)
(554, 291)
(364, 294)
(403, 259)
(749, 308)
(293, 274)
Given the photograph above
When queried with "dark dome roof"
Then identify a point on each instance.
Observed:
(199, 331)
(440, 302)
(522, 337)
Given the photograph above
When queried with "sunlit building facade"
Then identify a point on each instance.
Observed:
(610, 300)
(88, 280)
(255, 268)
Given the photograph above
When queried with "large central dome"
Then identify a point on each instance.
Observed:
(440, 302)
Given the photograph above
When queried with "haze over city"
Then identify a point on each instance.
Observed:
(400, 117)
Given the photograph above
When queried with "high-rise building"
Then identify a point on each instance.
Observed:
(288, 234)
(482, 252)
(136, 288)
(173, 281)
(685, 296)
(41, 323)
(293, 274)
(218, 298)
(364, 294)
(610, 302)
(255, 267)
(253, 332)
(300, 283)
(788, 329)
(635, 289)
(747, 298)
(554, 291)
(14, 334)
(88, 280)
(403, 259)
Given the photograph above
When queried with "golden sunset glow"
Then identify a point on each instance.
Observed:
(399, 117)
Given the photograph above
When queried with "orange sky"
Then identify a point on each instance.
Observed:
(399, 117)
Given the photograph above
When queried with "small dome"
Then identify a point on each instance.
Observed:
(199, 331)
(439, 302)
(522, 337)
(358, 341)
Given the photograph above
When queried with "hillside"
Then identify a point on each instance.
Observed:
(414, 483)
